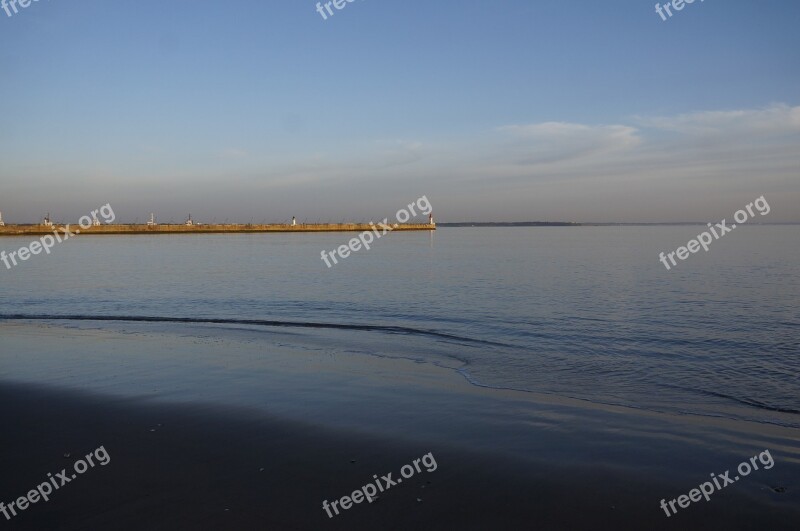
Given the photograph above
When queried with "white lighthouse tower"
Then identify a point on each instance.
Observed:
(2, 223)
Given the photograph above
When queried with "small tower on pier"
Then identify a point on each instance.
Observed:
(152, 222)
(47, 222)
(2, 223)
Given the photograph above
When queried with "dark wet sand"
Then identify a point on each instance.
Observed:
(201, 469)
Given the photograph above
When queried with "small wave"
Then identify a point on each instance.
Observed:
(258, 322)
(744, 401)
(596, 401)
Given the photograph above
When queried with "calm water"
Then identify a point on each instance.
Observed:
(585, 312)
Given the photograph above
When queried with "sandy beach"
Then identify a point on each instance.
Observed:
(241, 459)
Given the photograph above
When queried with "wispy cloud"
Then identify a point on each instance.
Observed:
(550, 142)
(776, 119)
(663, 168)
(691, 166)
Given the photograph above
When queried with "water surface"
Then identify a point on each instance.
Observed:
(583, 312)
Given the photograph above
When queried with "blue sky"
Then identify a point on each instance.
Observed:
(508, 110)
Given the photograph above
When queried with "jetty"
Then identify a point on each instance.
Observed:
(197, 228)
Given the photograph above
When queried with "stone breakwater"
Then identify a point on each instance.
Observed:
(35, 230)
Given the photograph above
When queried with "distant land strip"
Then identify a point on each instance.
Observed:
(511, 224)
(39, 229)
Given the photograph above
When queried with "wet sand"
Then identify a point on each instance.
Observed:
(504, 460)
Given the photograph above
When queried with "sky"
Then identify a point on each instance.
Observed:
(513, 110)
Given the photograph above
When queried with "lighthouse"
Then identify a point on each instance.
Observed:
(2, 223)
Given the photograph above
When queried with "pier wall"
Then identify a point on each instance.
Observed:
(37, 230)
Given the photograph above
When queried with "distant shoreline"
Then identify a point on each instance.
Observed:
(511, 224)
(572, 224)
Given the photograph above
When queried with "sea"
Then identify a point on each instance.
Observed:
(585, 312)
